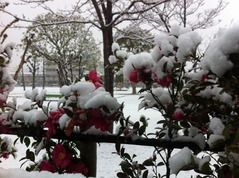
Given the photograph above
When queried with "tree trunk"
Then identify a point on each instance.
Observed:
(108, 73)
(184, 13)
(133, 88)
(107, 33)
(34, 75)
(23, 80)
(43, 74)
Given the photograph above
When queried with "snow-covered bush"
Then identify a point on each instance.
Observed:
(85, 107)
(6, 86)
(197, 97)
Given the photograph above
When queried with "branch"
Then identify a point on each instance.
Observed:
(162, 143)
(29, 41)
(9, 25)
(98, 12)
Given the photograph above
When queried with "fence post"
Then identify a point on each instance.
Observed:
(88, 152)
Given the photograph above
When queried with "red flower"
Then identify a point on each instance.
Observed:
(96, 80)
(77, 168)
(98, 120)
(4, 155)
(178, 114)
(126, 132)
(60, 157)
(53, 121)
(204, 77)
(4, 128)
(46, 166)
(2, 102)
(136, 76)
(165, 82)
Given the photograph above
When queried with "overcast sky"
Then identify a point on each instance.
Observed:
(229, 16)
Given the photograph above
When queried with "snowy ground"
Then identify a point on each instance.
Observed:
(107, 162)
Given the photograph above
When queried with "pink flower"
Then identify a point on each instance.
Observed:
(136, 76)
(77, 168)
(53, 121)
(96, 80)
(60, 157)
(178, 114)
(46, 166)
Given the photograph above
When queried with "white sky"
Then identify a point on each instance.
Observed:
(229, 16)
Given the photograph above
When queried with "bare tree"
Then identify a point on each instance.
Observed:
(193, 13)
(104, 15)
(33, 66)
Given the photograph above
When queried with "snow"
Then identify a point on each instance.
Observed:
(203, 161)
(159, 68)
(83, 88)
(215, 138)
(187, 43)
(9, 49)
(216, 56)
(162, 95)
(216, 93)
(1, 48)
(102, 100)
(216, 126)
(16, 173)
(65, 90)
(180, 159)
(30, 117)
(63, 120)
(164, 46)
(112, 59)
(108, 164)
(114, 47)
(122, 53)
(138, 61)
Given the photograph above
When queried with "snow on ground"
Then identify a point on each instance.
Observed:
(107, 161)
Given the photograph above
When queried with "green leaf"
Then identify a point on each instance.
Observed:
(185, 124)
(122, 151)
(121, 175)
(30, 155)
(165, 67)
(161, 122)
(227, 131)
(15, 141)
(205, 169)
(23, 163)
(127, 156)
(21, 140)
(160, 164)
(69, 112)
(136, 125)
(27, 141)
(126, 168)
(142, 130)
(145, 174)
(148, 162)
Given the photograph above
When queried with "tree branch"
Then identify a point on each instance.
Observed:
(162, 143)
(29, 41)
